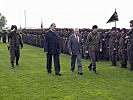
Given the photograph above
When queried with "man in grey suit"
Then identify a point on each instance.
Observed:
(75, 49)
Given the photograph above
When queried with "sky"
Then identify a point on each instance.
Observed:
(66, 13)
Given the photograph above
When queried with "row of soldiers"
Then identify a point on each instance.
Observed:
(36, 37)
(114, 42)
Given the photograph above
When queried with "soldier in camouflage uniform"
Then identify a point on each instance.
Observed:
(129, 38)
(112, 46)
(105, 47)
(14, 45)
(123, 49)
(94, 45)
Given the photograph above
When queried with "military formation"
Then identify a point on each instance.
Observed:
(96, 44)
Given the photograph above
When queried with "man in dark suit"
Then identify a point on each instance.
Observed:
(75, 48)
(52, 48)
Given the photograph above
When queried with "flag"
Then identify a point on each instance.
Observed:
(113, 18)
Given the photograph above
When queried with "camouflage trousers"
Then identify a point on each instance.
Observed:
(130, 55)
(123, 56)
(93, 54)
(14, 53)
(112, 56)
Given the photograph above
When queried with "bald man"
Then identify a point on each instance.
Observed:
(75, 49)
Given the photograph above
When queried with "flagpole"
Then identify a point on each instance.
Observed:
(115, 20)
(25, 17)
(115, 23)
(41, 23)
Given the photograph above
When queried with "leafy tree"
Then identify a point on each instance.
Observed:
(3, 21)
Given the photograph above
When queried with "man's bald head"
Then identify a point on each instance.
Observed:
(76, 31)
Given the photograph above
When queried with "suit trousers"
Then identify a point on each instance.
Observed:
(79, 63)
(56, 63)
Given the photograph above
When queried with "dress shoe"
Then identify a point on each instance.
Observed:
(113, 64)
(125, 67)
(49, 73)
(131, 68)
(58, 74)
(72, 71)
(17, 63)
(12, 65)
(80, 73)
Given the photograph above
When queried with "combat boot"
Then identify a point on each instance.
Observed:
(90, 67)
(94, 70)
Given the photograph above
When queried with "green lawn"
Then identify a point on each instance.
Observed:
(29, 81)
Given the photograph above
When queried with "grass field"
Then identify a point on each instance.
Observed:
(29, 81)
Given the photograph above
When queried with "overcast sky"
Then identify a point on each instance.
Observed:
(66, 13)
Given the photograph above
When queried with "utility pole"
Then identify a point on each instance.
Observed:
(25, 17)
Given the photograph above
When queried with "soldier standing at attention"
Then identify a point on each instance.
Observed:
(14, 45)
(112, 45)
(129, 38)
(94, 45)
(123, 48)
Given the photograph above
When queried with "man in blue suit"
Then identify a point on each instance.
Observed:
(52, 48)
(75, 49)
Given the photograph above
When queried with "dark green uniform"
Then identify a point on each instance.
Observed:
(105, 46)
(94, 45)
(130, 48)
(14, 46)
(123, 51)
(112, 47)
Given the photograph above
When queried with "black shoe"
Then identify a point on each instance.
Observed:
(125, 67)
(49, 73)
(72, 71)
(90, 67)
(80, 73)
(17, 63)
(94, 70)
(113, 64)
(12, 65)
(131, 68)
(58, 74)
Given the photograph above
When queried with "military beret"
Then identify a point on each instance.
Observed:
(13, 26)
(131, 21)
(123, 29)
(94, 27)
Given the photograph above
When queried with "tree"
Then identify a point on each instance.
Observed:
(3, 21)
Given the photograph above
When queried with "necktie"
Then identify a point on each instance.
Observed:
(77, 38)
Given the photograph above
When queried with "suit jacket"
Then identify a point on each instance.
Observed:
(74, 46)
(52, 42)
